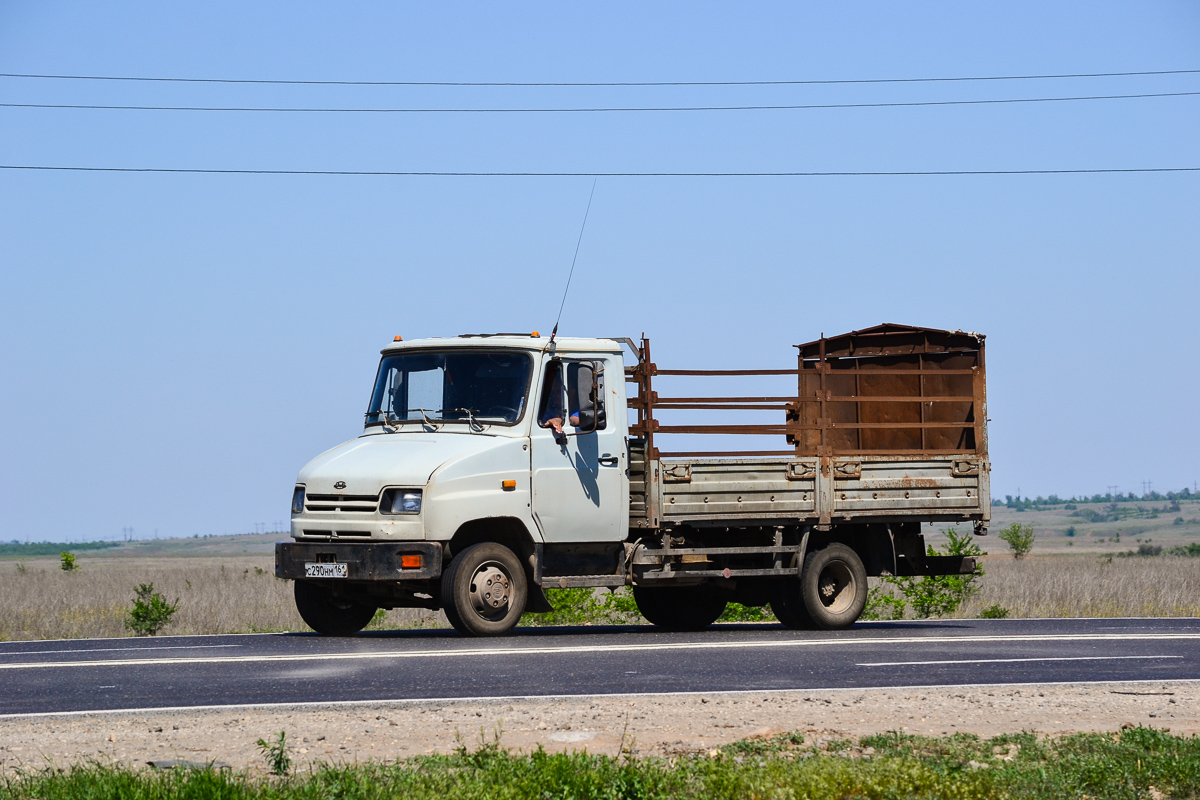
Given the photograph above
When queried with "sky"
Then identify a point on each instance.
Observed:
(175, 347)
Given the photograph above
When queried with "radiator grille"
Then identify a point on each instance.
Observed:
(359, 503)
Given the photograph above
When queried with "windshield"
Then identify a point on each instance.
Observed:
(454, 386)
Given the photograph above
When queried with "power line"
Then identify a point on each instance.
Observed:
(149, 79)
(592, 110)
(438, 174)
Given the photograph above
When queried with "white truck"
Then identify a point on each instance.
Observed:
(494, 466)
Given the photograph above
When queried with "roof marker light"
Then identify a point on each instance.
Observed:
(535, 335)
(398, 339)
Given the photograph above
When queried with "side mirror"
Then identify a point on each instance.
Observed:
(589, 401)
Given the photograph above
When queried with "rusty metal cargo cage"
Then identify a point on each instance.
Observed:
(886, 390)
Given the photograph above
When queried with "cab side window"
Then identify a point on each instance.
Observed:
(550, 406)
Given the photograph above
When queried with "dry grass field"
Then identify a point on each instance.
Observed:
(216, 595)
(1089, 586)
(239, 594)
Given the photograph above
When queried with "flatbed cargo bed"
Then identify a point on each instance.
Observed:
(888, 425)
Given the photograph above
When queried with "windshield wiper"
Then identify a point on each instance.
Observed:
(425, 419)
(393, 423)
(472, 423)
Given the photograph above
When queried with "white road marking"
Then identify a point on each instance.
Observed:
(1005, 660)
(118, 649)
(509, 698)
(593, 649)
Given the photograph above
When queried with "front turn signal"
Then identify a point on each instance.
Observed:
(410, 562)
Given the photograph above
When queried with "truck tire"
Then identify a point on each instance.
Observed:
(787, 604)
(329, 615)
(686, 608)
(834, 587)
(484, 590)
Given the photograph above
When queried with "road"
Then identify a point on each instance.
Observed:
(204, 671)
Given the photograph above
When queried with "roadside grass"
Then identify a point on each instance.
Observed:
(1134, 763)
(38, 600)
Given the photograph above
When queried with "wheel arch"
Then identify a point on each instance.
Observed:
(508, 531)
(874, 544)
(513, 534)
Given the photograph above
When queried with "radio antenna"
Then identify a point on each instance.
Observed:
(582, 228)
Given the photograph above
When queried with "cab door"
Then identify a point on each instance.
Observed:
(580, 484)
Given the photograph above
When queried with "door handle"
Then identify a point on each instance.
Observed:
(608, 460)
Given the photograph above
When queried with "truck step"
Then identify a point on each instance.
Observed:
(580, 581)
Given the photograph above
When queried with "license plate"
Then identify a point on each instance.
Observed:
(324, 570)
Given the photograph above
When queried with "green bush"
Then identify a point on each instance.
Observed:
(736, 612)
(994, 612)
(1019, 537)
(586, 607)
(602, 607)
(151, 612)
(928, 595)
(67, 562)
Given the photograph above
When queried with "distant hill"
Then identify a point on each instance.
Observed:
(236, 544)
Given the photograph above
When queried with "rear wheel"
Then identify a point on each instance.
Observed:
(686, 608)
(787, 605)
(329, 615)
(834, 587)
(484, 590)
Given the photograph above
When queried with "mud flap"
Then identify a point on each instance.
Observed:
(536, 602)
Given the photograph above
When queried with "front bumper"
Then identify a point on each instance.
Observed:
(365, 561)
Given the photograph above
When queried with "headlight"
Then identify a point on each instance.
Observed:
(298, 500)
(401, 501)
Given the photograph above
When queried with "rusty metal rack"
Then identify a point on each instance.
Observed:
(886, 390)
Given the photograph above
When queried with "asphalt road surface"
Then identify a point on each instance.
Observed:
(193, 671)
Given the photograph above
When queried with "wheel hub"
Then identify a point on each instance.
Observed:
(491, 590)
(836, 587)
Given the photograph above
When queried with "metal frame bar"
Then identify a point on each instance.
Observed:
(657, 554)
(822, 366)
(653, 575)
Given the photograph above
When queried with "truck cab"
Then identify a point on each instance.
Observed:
(495, 444)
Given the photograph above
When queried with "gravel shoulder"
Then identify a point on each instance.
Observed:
(647, 724)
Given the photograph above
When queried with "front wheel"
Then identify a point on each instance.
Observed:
(834, 587)
(330, 615)
(685, 608)
(484, 590)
